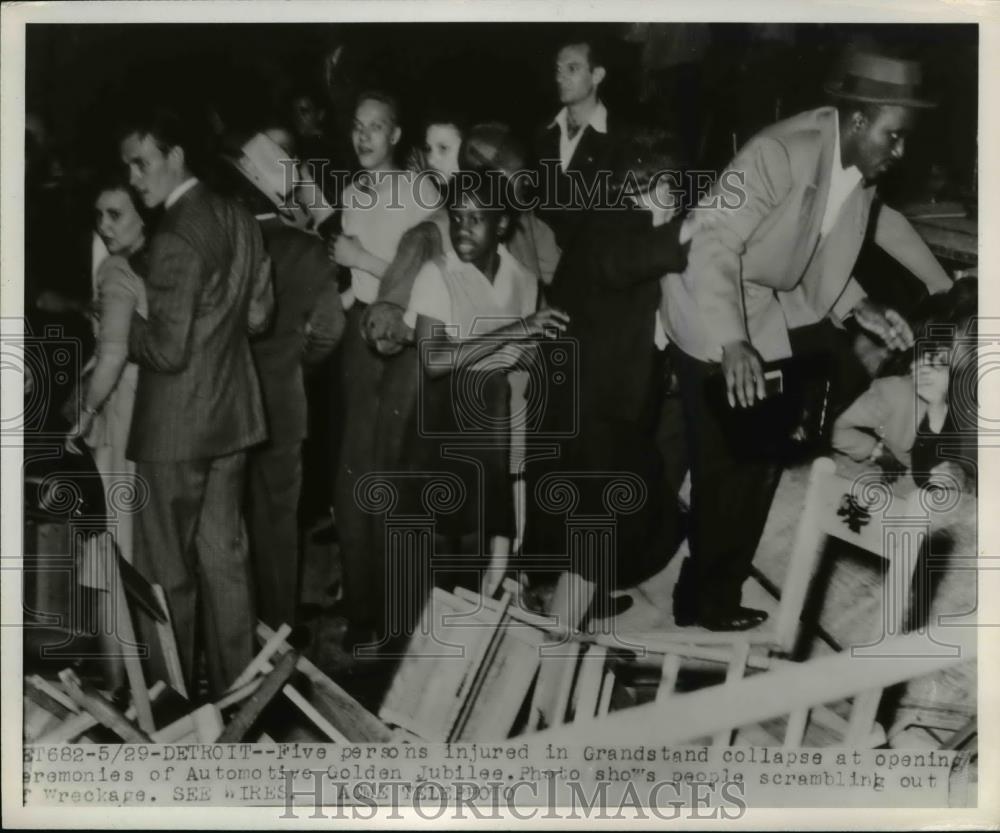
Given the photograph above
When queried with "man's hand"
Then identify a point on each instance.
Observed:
(884, 323)
(79, 430)
(698, 220)
(346, 250)
(744, 374)
(545, 321)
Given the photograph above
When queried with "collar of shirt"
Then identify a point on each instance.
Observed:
(180, 191)
(505, 265)
(842, 182)
(598, 119)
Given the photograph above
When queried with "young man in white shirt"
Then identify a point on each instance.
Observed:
(380, 205)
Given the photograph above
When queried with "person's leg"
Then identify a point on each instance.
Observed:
(360, 377)
(730, 499)
(224, 562)
(164, 551)
(499, 546)
(274, 476)
(571, 599)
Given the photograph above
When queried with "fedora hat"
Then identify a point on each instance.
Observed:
(878, 79)
(264, 165)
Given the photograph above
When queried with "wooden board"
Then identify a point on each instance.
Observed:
(506, 681)
(346, 714)
(440, 666)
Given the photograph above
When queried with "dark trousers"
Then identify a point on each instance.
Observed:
(190, 539)
(732, 481)
(360, 377)
(730, 496)
(274, 480)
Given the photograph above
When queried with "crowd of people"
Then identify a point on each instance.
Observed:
(549, 331)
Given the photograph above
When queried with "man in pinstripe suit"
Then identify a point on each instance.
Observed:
(198, 403)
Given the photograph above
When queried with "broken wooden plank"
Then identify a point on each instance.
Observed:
(477, 669)
(347, 715)
(607, 687)
(685, 717)
(737, 668)
(668, 677)
(566, 665)
(588, 686)
(80, 723)
(46, 695)
(125, 633)
(308, 709)
(236, 695)
(106, 714)
(168, 645)
(255, 704)
(861, 723)
(795, 730)
(506, 683)
(256, 665)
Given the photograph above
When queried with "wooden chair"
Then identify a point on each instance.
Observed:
(791, 687)
(864, 514)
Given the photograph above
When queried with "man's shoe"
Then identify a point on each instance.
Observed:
(738, 619)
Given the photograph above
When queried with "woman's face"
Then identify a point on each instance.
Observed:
(930, 375)
(442, 142)
(118, 222)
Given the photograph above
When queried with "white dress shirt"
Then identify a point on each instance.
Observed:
(842, 182)
(180, 191)
(567, 146)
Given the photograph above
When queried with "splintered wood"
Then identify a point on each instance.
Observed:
(69, 710)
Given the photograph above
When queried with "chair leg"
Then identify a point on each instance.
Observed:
(862, 719)
(795, 732)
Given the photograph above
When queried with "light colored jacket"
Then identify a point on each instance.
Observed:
(774, 272)
(889, 411)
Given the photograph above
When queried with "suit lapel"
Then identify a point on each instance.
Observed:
(585, 156)
(839, 250)
(814, 199)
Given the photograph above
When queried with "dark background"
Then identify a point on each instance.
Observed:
(79, 76)
(717, 84)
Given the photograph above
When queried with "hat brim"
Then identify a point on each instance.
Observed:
(252, 176)
(836, 89)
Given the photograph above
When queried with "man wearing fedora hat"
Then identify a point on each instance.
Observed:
(781, 286)
(307, 324)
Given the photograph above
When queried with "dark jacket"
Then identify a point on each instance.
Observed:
(609, 284)
(563, 196)
(209, 286)
(308, 323)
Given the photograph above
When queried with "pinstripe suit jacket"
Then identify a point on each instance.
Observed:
(209, 287)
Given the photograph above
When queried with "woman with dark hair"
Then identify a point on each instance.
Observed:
(444, 132)
(108, 389)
